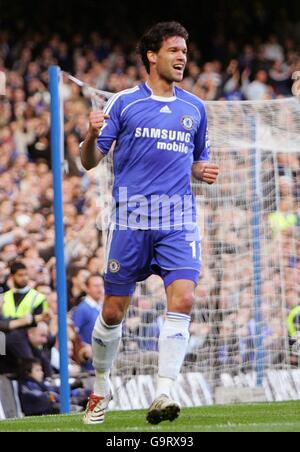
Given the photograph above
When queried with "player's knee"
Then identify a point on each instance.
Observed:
(183, 303)
(187, 303)
(112, 315)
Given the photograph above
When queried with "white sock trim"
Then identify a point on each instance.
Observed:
(178, 316)
(102, 385)
(164, 385)
(109, 327)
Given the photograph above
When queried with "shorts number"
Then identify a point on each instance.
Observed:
(193, 245)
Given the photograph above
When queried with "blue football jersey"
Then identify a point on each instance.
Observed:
(157, 140)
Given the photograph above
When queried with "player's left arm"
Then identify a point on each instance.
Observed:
(203, 170)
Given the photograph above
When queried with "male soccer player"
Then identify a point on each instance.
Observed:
(161, 139)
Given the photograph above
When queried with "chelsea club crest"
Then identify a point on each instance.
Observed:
(187, 122)
(114, 266)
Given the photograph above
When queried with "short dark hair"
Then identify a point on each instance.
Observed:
(16, 266)
(26, 366)
(74, 270)
(155, 36)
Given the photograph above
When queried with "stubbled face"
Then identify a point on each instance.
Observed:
(21, 279)
(171, 59)
(95, 288)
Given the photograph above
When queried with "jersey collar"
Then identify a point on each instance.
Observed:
(159, 98)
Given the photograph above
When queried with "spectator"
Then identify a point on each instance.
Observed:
(4, 274)
(94, 264)
(21, 300)
(258, 89)
(86, 313)
(79, 353)
(39, 397)
(285, 218)
(273, 51)
(35, 397)
(9, 238)
(10, 325)
(293, 323)
(280, 78)
(76, 287)
(27, 344)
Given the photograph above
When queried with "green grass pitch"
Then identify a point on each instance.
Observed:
(271, 417)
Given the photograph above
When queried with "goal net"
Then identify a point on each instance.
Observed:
(250, 280)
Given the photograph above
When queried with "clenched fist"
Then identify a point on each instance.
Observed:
(96, 122)
(210, 172)
(206, 172)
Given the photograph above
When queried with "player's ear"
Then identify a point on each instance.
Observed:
(152, 56)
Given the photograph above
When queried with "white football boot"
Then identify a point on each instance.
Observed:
(95, 410)
(163, 409)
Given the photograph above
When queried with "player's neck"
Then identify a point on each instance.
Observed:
(160, 87)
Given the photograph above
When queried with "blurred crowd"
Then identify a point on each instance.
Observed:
(223, 330)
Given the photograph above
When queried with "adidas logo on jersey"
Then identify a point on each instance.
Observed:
(165, 109)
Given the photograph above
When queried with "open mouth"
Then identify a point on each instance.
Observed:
(179, 67)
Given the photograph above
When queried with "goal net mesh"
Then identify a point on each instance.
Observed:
(250, 222)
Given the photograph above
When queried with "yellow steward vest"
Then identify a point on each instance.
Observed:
(32, 301)
(291, 321)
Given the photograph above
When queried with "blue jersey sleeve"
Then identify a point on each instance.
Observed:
(202, 144)
(110, 131)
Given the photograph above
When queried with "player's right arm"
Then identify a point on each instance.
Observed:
(90, 154)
